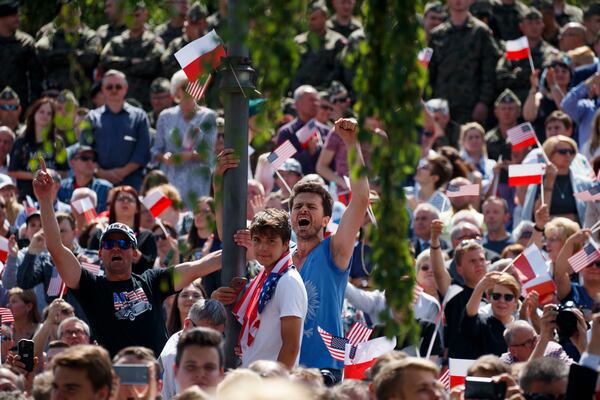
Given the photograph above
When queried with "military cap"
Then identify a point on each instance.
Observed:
(336, 90)
(9, 94)
(531, 14)
(438, 105)
(196, 12)
(317, 5)
(8, 7)
(507, 97)
(435, 6)
(66, 96)
(160, 85)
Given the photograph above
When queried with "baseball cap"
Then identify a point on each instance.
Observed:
(77, 149)
(5, 181)
(35, 213)
(118, 227)
(291, 165)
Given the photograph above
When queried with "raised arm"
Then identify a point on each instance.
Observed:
(440, 273)
(342, 242)
(562, 269)
(486, 283)
(66, 263)
(188, 272)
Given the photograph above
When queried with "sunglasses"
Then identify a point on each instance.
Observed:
(121, 243)
(111, 87)
(507, 297)
(127, 199)
(564, 152)
(86, 158)
(528, 343)
(160, 237)
(8, 107)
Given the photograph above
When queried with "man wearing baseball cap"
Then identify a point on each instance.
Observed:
(124, 309)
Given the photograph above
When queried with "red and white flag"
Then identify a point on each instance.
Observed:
(424, 56)
(517, 49)
(3, 249)
(444, 379)
(157, 202)
(200, 57)
(6, 316)
(307, 133)
(458, 370)
(525, 174)
(362, 356)
(584, 257)
(84, 206)
(545, 287)
(462, 190)
(358, 333)
(280, 154)
(92, 268)
(521, 136)
(29, 205)
(530, 264)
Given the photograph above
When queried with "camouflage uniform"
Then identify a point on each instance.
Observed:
(108, 31)
(320, 62)
(68, 58)
(118, 54)
(463, 65)
(344, 30)
(168, 60)
(506, 17)
(20, 68)
(514, 74)
(168, 33)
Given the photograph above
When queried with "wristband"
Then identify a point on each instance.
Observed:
(435, 247)
(538, 229)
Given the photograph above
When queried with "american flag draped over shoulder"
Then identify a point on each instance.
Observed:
(246, 311)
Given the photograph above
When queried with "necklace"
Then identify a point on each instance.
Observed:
(562, 190)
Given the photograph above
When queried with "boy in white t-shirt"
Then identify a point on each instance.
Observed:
(273, 307)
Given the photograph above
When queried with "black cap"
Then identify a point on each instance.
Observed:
(8, 7)
(118, 227)
(78, 149)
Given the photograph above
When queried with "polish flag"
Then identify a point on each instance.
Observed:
(424, 56)
(521, 136)
(462, 190)
(3, 249)
(544, 286)
(307, 132)
(458, 370)
(84, 206)
(201, 56)
(29, 205)
(362, 356)
(530, 264)
(525, 174)
(517, 49)
(157, 202)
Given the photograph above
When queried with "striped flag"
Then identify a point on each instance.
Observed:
(280, 154)
(591, 194)
(521, 136)
(462, 190)
(544, 286)
(29, 205)
(56, 286)
(458, 370)
(3, 249)
(307, 132)
(424, 56)
(362, 356)
(335, 345)
(92, 268)
(196, 90)
(517, 49)
(525, 174)
(584, 257)
(156, 202)
(137, 295)
(444, 379)
(358, 333)
(86, 207)
(530, 264)
(6, 316)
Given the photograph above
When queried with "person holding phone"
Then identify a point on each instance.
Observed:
(138, 372)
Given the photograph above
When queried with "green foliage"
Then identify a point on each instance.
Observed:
(388, 86)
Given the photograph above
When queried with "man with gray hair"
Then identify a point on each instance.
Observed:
(545, 375)
(306, 101)
(204, 313)
(424, 214)
(119, 134)
(521, 340)
(74, 331)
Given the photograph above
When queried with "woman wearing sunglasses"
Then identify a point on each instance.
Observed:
(425, 277)
(484, 333)
(559, 184)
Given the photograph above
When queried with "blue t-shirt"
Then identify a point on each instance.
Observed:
(325, 286)
(579, 296)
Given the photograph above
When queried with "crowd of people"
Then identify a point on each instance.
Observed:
(102, 296)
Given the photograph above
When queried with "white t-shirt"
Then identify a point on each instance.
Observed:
(289, 300)
(167, 361)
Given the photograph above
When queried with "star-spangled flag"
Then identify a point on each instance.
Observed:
(358, 333)
(591, 194)
(56, 286)
(335, 345)
(137, 295)
(584, 257)
(6, 316)
(93, 268)
(280, 154)
(462, 190)
(521, 136)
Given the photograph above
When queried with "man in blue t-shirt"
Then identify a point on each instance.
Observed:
(324, 263)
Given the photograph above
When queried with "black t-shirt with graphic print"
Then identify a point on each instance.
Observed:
(127, 313)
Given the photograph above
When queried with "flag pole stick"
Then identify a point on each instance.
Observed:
(284, 182)
(542, 191)
(430, 348)
(162, 227)
(530, 61)
(542, 149)
(597, 224)
(62, 290)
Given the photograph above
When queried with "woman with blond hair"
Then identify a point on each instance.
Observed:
(473, 150)
(23, 305)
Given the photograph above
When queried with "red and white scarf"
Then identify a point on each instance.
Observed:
(246, 310)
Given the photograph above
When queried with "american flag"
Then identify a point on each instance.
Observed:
(196, 90)
(6, 316)
(93, 268)
(56, 286)
(280, 154)
(358, 333)
(463, 190)
(521, 136)
(584, 257)
(137, 295)
(335, 344)
(444, 379)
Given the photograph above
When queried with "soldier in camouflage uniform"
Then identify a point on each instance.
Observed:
(136, 52)
(160, 98)
(463, 64)
(19, 68)
(343, 22)
(514, 74)
(173, 28)
(507, 109)
(320, 51)
(114, 10)
(194, 27)
(507, 15)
